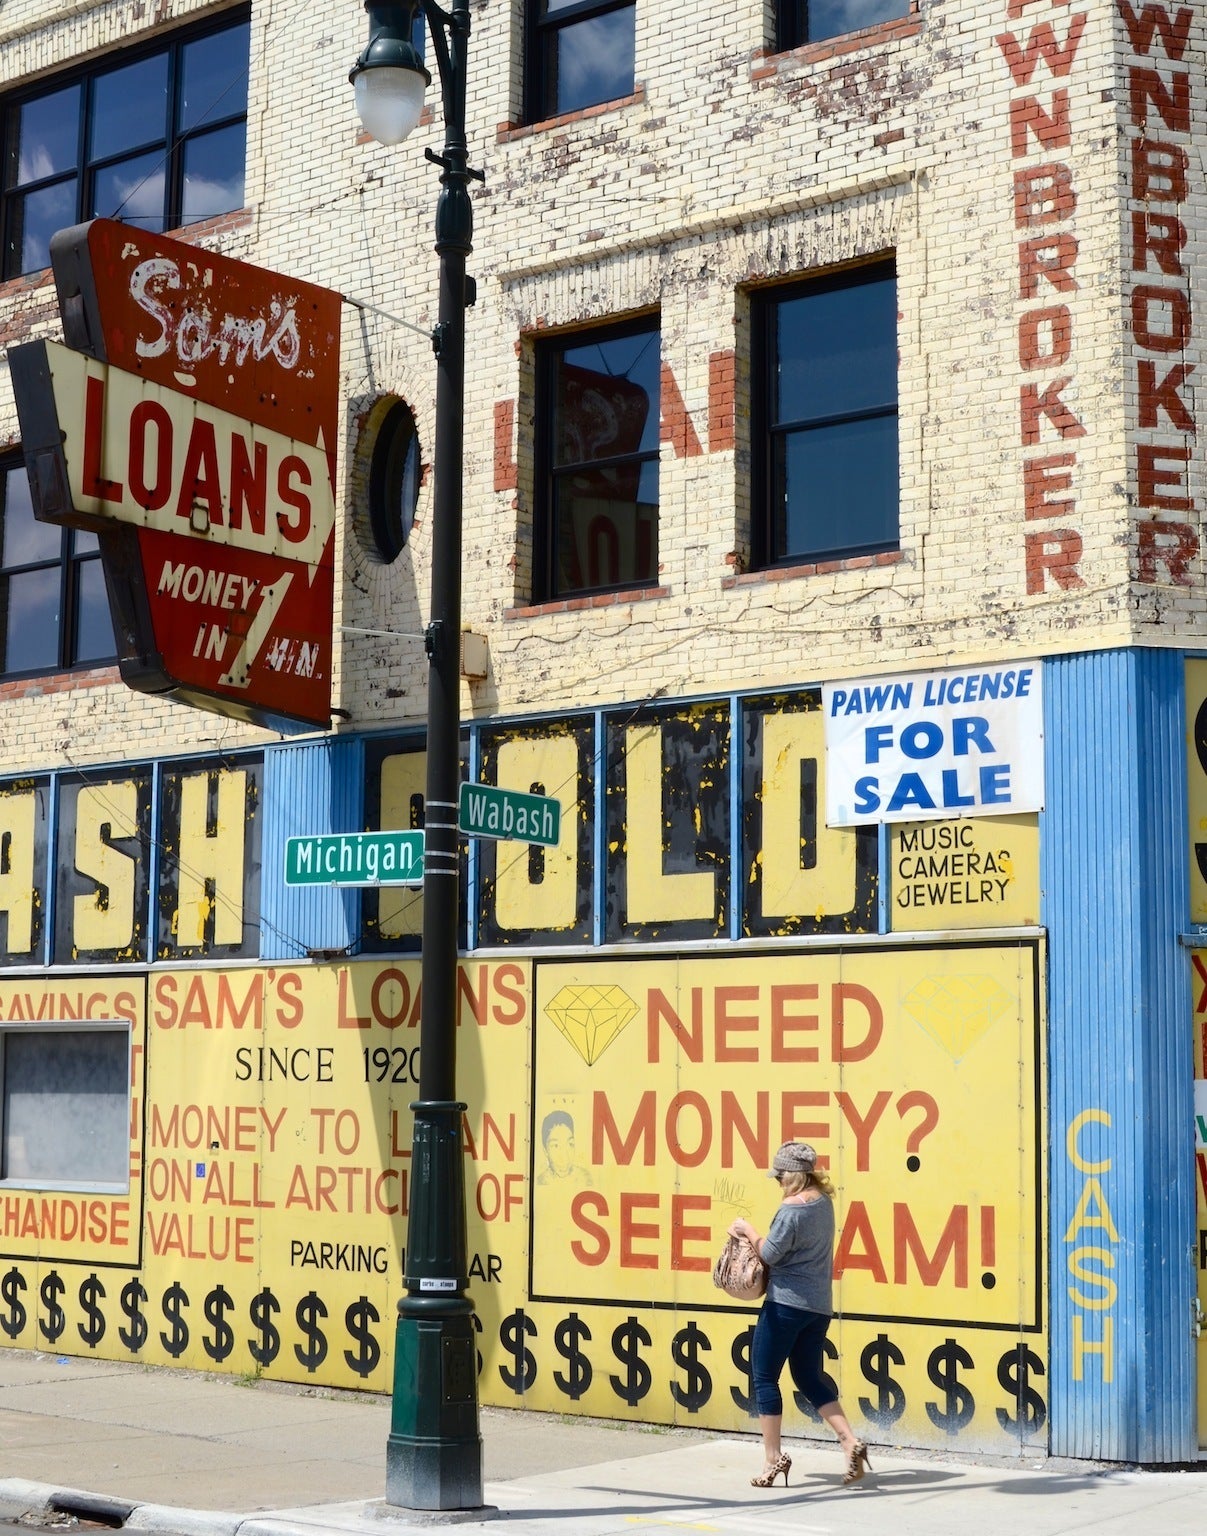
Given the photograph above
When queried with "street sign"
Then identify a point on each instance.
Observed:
(355, 858)
(484, 811)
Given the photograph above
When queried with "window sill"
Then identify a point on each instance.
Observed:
(886, 557)
(58, 682)
(217, 224)
(767, 63)
(27, 282)
(507, 133)
(586, 601)
(187, 234)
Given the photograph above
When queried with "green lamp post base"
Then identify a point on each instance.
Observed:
(434, 1451)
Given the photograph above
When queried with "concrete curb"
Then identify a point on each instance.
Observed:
(22, 1499)
(167, 1520)
(19, 1497)
(372, 1518)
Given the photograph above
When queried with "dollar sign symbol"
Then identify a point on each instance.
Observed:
(93, 1331)
(626, 1342)
(263, 1305)
(10, 1289)
(132, 1298)
(357, 1318)
(175, 1299)
(566, 1336)
(513, 1332)
(51, 1289)
(309, 1310)
(874, 1363)
(216, 1304)
(740, 1355)
(1014, 1371)
(942, 1368)
(685, 1348)
(799, 1398)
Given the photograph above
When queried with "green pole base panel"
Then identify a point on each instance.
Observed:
(434, 1452)
(443, 1475)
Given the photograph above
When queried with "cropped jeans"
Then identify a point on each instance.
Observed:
(789, 1335)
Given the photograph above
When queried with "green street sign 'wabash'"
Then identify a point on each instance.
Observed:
(355, 858)
(484, 811)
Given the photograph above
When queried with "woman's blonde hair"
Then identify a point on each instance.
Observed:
(793, 1183)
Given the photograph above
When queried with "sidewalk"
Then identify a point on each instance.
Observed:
(175, 1453)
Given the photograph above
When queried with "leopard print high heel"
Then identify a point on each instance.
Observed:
(857, 1460)
(765, 1479)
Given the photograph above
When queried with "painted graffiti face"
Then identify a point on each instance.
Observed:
(559, 1149)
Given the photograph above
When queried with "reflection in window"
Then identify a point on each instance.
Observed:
(213, 172)
(394, 479)
(812, 21)
(157, 137)
(54, 611)
(824, 429)
(580, 53)
(129, 107)
(65, 1105)
(598, 423)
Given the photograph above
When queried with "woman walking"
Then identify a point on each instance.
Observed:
(799, 1253)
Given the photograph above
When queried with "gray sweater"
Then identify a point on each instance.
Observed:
(799, 1252)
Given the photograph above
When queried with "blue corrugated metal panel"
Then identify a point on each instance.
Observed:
(310, 787)
(1169, 1194)
(1113, 870)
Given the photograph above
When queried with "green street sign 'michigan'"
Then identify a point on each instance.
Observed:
(355, 858)
(484, 811)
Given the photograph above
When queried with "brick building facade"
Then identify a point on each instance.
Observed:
(836, 343)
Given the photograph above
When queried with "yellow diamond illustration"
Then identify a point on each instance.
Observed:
(957, 1010)
(591, 1017)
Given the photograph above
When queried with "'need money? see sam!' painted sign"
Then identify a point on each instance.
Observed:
(190, 422)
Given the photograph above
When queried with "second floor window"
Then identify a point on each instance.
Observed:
(824, 417)
(597, 437)
(54, 613)
(156, 136)
(812, 21)
(580, 53)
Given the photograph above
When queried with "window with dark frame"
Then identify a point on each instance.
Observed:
(155, 135)
(54, 612)
(824, 417)
(580, 53)
(394, 478)
(597, 437)
(812, 21)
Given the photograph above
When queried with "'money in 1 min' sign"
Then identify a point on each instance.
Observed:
(190, 422)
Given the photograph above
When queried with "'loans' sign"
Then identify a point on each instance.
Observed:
(190, 422)
(966, 743)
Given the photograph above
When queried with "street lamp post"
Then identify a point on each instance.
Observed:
(434, 1452)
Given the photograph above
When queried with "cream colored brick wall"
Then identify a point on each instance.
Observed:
(726, 170)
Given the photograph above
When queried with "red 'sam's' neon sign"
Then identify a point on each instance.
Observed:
(191, 421)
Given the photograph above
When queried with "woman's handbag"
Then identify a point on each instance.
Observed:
(739, 1271)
